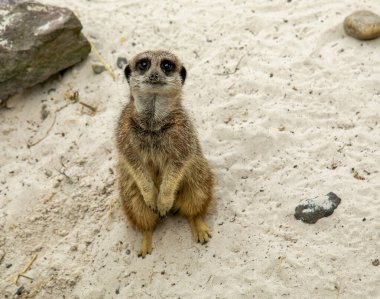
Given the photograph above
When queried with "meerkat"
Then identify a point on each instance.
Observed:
(161, 168)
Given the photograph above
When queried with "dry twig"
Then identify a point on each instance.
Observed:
(25, 269)
(30, 144)
(103, 62)
(234, 71)
(337, 289)
(92, 108)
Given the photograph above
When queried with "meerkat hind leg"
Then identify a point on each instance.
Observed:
(146, 246)
(200, 230)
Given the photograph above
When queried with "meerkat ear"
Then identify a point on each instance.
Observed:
(182, 73)
(127, 72)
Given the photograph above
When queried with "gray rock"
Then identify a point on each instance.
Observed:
(362, 25)
(37, 41)
(311, 210)
(11, 1)
(98, 68)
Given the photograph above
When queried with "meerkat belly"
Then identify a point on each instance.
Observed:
(155, 167)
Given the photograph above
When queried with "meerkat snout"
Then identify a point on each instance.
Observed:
(154, 78)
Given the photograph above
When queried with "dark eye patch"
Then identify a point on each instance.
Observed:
(143, 64)
(167, 66)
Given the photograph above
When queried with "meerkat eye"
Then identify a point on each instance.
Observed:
(167, 66)
(143, 64)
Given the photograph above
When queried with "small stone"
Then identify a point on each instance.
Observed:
(20, 290)
(128, 252)
(44, 112)
(8, 266)
(48, 173)
(311, 210)
(121, 62)
(376, 262)
(57, 183)
(232, 92)
(98, 68)
(362, 25)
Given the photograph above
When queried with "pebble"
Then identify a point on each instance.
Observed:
(48, 173)
(20, 290)
(376, 262)
(44, 112)
(311, 210)
(98, 68)
(362, 25)
(232, 92)
(121, 62)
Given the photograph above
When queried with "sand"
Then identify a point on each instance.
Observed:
(287, 108)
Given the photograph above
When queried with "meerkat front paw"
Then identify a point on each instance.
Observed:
(150, 198)
(164, 204)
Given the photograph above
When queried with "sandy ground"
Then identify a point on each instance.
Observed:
(286, 105)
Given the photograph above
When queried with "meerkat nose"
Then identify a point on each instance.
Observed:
(153, 77)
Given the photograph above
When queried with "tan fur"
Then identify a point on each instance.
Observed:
(160, 167)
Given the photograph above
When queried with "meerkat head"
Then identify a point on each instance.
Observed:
(155, 79)
(157, 72)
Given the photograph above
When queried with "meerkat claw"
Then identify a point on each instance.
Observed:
(163, 209)
(204, 236)
(146, 246)
(163, 215)
(143, 252)
(201, 232)
(154, 210)
(152, 207)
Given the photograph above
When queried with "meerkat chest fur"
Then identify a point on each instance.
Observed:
(151, 139)
(152, 107)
